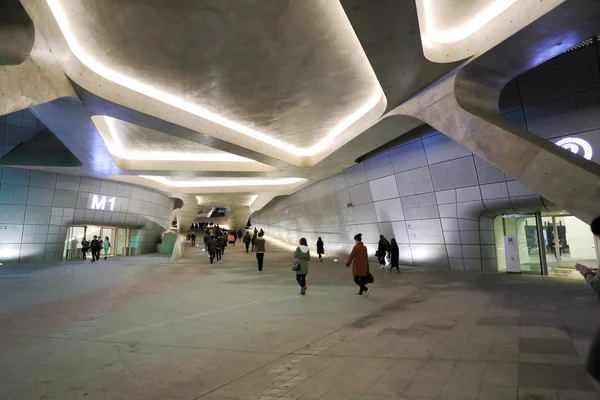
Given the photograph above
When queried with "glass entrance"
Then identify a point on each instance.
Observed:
(117, 236)
(522, 248)
(568, 241)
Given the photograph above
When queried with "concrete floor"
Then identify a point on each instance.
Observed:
(141, 328)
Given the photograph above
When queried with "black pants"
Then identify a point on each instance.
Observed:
(212, 256)
(247, 245)
(395, 265)
(301, 279)
(260, 257)
(95, 254)
(593, 359)
(223, 251)
(218, 254)
(84, 252)
(320, 256)
(381, 259)
(361, 281)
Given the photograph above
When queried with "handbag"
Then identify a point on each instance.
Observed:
(370, 278)
(296, 267)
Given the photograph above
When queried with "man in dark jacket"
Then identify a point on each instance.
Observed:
(222, 243)
(240, 234)
(206, 239)
(95, 247)
(212, 248)
(247, 240)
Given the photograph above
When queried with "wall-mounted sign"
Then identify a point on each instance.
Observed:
(577, 146)
(100, 202)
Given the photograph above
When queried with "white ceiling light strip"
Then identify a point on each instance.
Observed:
(475, 23)
(175, 101)
(225, 182)
(117, 149)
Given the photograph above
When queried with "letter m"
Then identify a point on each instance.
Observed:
(98, 204)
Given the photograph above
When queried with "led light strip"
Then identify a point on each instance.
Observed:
(226, 182)
(465, 30)
(168, 98)
(253, 200)
(118, 150)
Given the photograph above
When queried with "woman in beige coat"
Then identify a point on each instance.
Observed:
(360, 265)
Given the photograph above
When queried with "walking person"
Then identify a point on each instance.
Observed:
(220, 248)
(193, 237)
(85, 247)
(253, 240)
(360, 265)
(206, 239)
(211, 247)
(381, 250)
(593, 278)
(231, 239)
(394, 256)
(260, 251)
(240, 234)
(106, 247)
(302, 257)
(320, 249)
(247, 240)
(95, 247)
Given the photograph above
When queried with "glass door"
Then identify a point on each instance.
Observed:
(522, 243)
(120, 243)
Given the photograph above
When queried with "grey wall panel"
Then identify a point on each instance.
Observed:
(355, 175)
(425, 231)
(441, 148)
(429, 212)
(449, 224)
(380, 171)
(384, 188)
(446, 196)
(454, 174)
(571, 73)
(365, 213)
(360, 194)
(456, 264)
(423, 186)
(408, 157)
(494, 191)
(471, 193)
(389, 210)
(565, 116)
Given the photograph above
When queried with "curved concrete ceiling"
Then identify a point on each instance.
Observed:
(295, 98)
(453, 30)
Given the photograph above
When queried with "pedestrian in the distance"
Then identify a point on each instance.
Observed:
(320, 249)
(247, 240)
(302, 257)
(360, 265)
(381, 251)
(240, 234)
(106, 247)
(231, 239)
(253, 240)
(394, 256)
(206, 239)
(95, 247)
(260, 251)
(193, 237)
(212, 246)
(85, 247)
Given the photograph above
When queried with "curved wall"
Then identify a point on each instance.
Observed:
(426, 190)
(37, 207)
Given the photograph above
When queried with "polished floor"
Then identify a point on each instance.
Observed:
(142, 328)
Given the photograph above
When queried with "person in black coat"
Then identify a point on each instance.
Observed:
(320, 249)
(395, 256)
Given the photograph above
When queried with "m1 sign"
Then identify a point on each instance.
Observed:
(100, 202)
